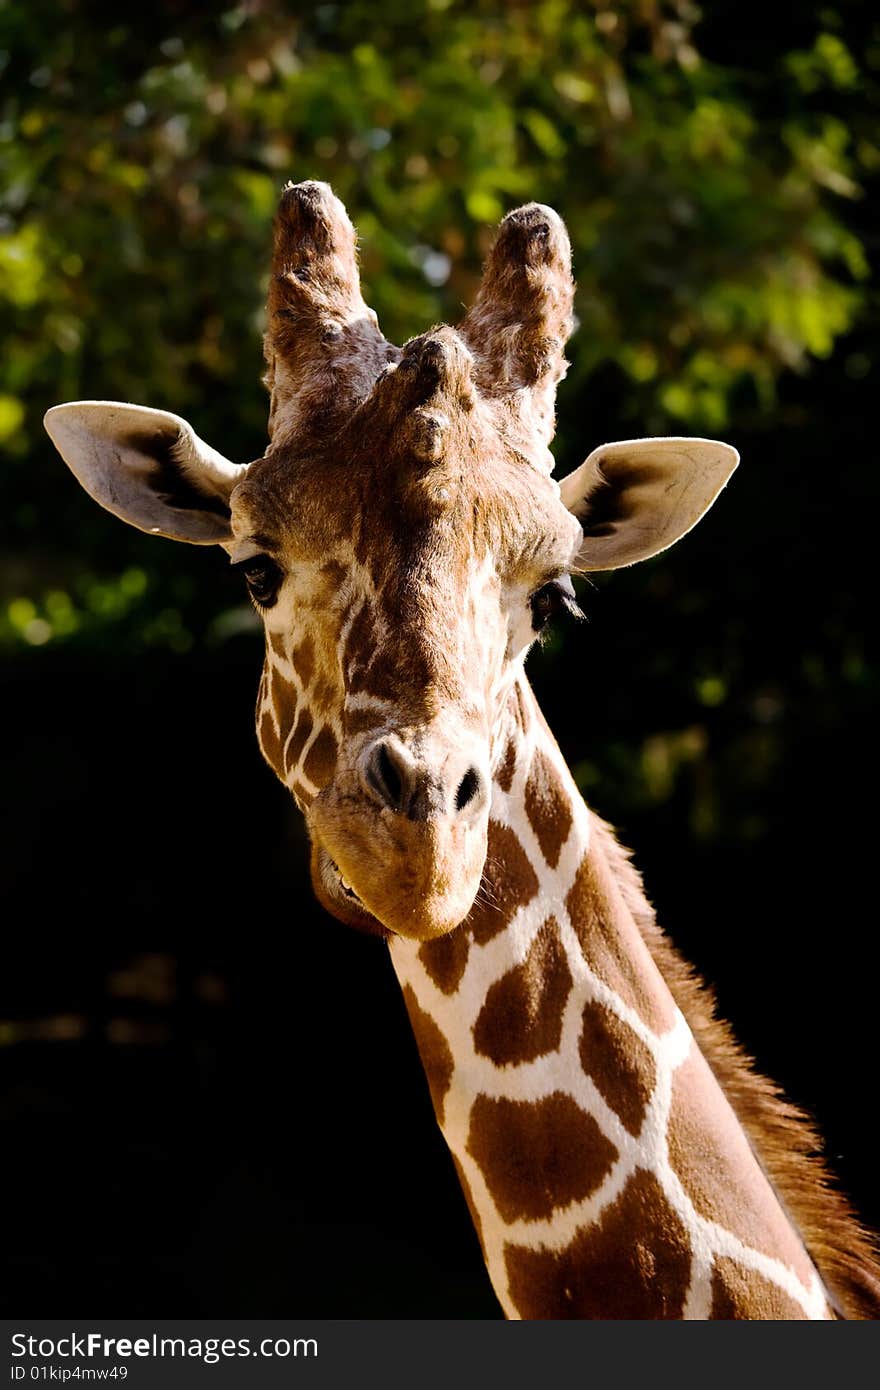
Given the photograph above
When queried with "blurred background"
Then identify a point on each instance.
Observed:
(209, 1095)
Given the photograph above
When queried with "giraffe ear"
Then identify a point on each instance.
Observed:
(148, 467)
(638, 497)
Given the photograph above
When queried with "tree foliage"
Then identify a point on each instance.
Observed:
(142, 160)
(716, 174)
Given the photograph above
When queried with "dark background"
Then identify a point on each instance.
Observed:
(209, 1094)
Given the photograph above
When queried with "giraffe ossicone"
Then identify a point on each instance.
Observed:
(405, 544)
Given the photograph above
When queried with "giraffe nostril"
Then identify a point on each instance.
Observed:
(407, 785)
(384, 777)
(467, 789)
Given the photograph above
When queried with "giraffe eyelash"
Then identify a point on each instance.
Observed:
(263, 577)
(550, 600)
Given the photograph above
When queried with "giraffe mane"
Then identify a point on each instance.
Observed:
(783, 1137)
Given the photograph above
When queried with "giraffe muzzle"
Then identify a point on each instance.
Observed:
(399, 839)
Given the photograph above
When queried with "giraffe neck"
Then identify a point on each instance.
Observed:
(605, 1171)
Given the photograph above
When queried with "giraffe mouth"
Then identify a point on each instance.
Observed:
(337, 895)
(335, 884)
(415, 879)
(342, 883)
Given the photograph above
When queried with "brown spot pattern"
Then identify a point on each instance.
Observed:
(295, 744)
(384, 679)
(784, 1139)
(522, 1016)
(323, 697)
(320, 762)
(362, 721)
(433, 1049)
(613, 947)
(302, 658)
(537, 1156)
(276, 642)
(740, 1293)
(303, 794)
(271, 744)
(547, 807)
(445, 959)
(619, 1063)
(471, 1204)
(711, 1156)
(283, 695)
(521, 710)
(633, 1263)
(509, 883)
(358, 647)
(504, 775)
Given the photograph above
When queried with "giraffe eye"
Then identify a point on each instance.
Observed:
(263, 578)
(548, 601)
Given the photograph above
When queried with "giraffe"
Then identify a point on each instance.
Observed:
(405, 544)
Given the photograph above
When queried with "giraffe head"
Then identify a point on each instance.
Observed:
(404, 542)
